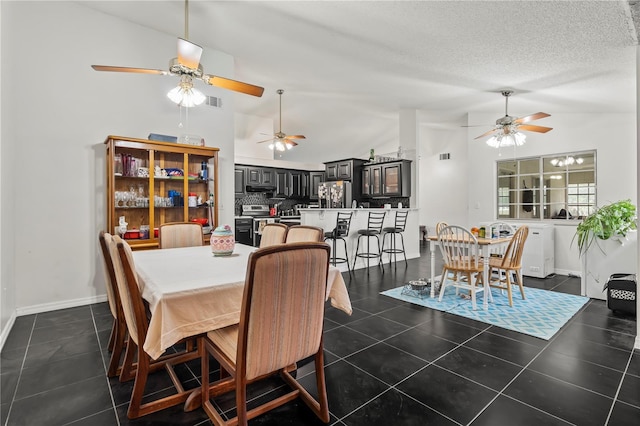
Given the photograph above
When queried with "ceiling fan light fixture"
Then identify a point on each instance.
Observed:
(185, 95)
(509, 139)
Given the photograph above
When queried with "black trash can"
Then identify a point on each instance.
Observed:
(622, 292)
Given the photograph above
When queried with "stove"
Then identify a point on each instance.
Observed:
(260, 215)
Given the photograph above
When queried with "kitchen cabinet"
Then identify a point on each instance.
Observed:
(150, 183)
(391, 179)
(240, 181)
(299, 186)
(261, 176)
(343, 169)
(291, 183)
(315, 178)
(282, 183)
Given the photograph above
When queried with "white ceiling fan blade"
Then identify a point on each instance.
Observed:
(189, 54)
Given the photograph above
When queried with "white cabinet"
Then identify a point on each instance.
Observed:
(538, 256)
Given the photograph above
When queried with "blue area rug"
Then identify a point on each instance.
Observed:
(541, 314)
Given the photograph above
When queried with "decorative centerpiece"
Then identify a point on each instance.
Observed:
(222, 241)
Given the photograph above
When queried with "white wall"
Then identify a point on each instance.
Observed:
(442, 183)
(7, 287)
(56, 113)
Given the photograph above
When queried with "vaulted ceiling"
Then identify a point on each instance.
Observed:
(349, 67)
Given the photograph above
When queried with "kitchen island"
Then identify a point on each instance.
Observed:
(326, 219)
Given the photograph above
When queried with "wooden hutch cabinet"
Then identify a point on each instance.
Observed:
(150, 183)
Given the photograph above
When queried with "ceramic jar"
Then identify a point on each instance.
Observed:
(222, 241)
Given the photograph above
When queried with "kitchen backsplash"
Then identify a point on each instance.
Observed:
(283, 205)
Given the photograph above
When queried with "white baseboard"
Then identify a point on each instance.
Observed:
(53, 306)
(7, 328)
(568, 272)
(637, 344)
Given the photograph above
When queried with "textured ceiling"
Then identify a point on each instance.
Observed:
(347, 68)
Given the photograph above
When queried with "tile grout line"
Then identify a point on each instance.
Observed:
(104, 365)
(615, 397)
(24, 359)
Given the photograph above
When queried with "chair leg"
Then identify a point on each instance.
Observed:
(112, 336)
(404, 253)
(472, 289)
(507, 280)
(443, 283)
(118, 345)
(346, 254)
(355, 257)
(139, 383)
(519, 279)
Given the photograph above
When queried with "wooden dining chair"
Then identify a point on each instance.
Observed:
(181, 234)
(118, 337)
(440, 226)
(273, 233)
(300, 233)
(508, 268)
(137, 325)
(461, 256)
(280, 324)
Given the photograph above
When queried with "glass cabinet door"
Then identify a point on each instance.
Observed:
(376, 181)
(366, 180)
(392, 180)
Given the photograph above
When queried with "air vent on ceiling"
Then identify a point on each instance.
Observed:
(445, 156)
(214, 102)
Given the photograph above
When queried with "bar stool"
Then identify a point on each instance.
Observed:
(393, 232)
(374, 228)
(340, 232)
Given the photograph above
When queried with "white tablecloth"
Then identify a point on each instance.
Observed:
(190, 291)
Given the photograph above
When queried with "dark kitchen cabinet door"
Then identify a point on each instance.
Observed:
(315, 179)
(240, 182)
(282, 183)
(298, 187)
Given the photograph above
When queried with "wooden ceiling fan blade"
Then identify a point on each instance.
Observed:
(266, 140)
(128, 69)
(290, 142)
(189, 54)
(295, 137)
(528, 118)
(534, 128)
(236, 86)
(490, 132)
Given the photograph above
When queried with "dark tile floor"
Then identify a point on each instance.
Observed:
(390, 363)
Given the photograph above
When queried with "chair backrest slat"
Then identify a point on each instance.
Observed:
(283, 307)
(113, 296)
(459, 247)
(512, 257)
(376, 220)
(130, 297)
(273, 233)
(343, 223)
(401, 220)
(181, 234)
(299, 233)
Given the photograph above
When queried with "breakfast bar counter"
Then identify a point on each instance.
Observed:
(325, 218)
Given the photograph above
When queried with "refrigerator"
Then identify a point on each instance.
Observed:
(335, 195)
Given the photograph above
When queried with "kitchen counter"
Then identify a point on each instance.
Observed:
(326, 219)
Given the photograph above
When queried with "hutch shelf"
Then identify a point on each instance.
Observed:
(150, 183)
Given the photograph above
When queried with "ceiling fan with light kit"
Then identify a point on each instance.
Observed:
(507, 131)
(187, 66)
(281, 141)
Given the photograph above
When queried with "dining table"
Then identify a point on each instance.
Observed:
(487, 246)
(190, 291)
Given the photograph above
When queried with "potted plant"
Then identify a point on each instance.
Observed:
(612, 220)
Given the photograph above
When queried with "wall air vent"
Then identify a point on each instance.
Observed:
(445, 156)
(214, 102)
